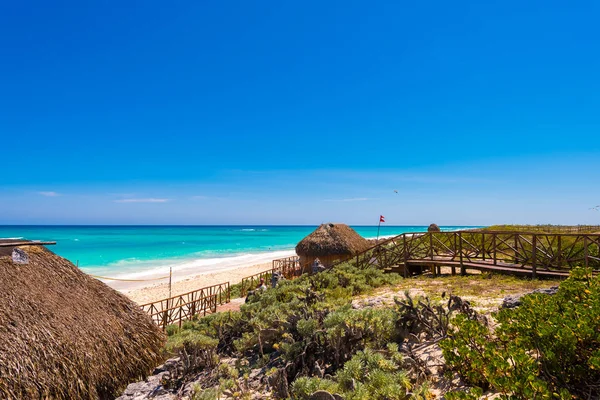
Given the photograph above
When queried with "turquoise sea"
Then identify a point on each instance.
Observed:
(143, 251)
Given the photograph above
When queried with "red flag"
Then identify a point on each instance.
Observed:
(381, 218)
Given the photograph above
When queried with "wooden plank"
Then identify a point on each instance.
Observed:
(513, 269)
(8, 243)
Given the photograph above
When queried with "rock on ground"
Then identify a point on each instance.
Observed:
(515, 300)
(152, 387)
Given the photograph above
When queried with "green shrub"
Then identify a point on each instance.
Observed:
(222, 326)
(172, 329)
(349, 330)
(196, 350)
(235, 290)
(304, 387)
(368, 375)
(304, 324)
(549, 347)
(204, 394)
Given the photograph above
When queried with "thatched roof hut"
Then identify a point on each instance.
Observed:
(330, 243)
(434, 228)
(65, 335)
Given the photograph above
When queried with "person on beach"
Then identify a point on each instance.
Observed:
(260, 288)
(276, 277)
(317, 266)
(261, 285)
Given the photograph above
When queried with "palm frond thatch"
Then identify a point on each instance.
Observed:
(65, 335)
(433, 228)
(332, 239)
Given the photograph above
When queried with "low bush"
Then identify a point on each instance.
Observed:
(308, 336)
(547, 348)
(196, 351)
(367, 375)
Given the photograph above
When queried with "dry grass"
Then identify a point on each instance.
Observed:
(485, 291)
(65, 335)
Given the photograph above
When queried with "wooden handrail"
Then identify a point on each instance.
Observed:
(530, 251)
(283, 265)
(188, 293)
(184, 306)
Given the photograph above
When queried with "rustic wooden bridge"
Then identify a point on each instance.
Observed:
(534, 254)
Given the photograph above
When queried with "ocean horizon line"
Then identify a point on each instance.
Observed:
(222, 225)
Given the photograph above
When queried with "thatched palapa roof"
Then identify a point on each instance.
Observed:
(65, 335)
(332, 239)
(433, 228)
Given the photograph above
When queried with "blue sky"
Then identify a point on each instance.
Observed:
(299, 112)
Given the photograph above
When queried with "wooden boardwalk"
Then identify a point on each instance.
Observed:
(484, 266)
(533, 254)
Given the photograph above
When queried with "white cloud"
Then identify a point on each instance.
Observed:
(49, 194)
(147, 200)
(351, 199)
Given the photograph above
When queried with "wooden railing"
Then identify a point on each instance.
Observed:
(525, 250)
(289, 267)
(543, 228)
(176, 309)
(252, 282)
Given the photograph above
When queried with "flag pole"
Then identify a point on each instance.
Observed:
(378, 227)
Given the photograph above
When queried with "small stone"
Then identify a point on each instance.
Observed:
(168, 365)
(19, 256)
(513, 301)
(551, 290)
(322, 395)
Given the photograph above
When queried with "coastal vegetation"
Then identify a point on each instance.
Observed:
(316, 334)
(305, 335)
(548, 347)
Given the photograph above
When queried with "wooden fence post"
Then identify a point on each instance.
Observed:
(433, 270)
(534, 256)
(193, 305)
(462, 266)
(516, 245)
(452, 267)
(483, 244)
(165, 318)
(405, 246)
(431, 245)
(494, 245)
(586, 252)
(559, 255)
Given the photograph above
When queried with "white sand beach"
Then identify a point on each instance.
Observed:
(158, 291)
